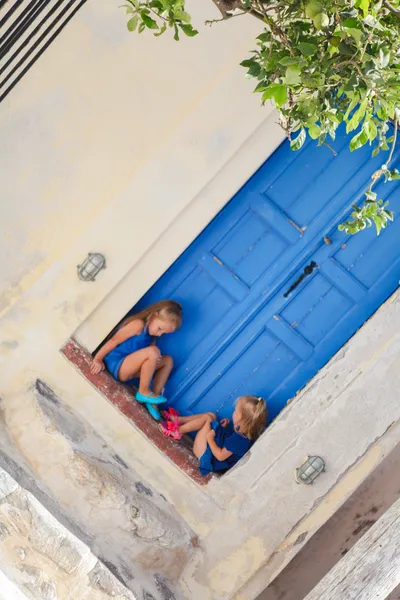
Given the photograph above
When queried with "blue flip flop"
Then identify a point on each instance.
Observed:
(150, 398)
(153, 411)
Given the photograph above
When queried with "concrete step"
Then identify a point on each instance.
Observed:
(118, 518)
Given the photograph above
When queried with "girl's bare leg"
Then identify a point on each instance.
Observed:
(163, 371)
(143, 362)
(195, 422)
(200, 441)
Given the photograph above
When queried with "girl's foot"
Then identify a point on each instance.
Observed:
(153, 410)
(170, 414)
(170, 429)
(150, 398)
(224, 422)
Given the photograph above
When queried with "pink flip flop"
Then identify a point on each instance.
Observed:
(170, 414)
(170, 429)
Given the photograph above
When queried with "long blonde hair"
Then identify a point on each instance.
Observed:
(254, 416)
(168, 310)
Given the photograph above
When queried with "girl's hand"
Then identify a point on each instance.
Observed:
(159, 359)
(210, 435)
(97, 366)
(225, 422)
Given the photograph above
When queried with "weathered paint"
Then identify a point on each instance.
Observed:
(122, 398)
(169, 166)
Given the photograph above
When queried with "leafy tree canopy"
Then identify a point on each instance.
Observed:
(322, 63)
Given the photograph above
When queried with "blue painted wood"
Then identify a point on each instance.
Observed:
(241, 334)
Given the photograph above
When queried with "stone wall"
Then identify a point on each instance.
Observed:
(93, 493)
(44, 561)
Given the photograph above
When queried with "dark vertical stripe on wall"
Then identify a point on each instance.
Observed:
(24, 37)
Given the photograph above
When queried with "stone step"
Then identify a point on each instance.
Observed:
(41, 559)
(94, 495)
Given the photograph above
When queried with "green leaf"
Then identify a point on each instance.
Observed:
(363, 5)
(352, 24)
(264, 37)
(260, 87)
(176, 34)
(162, 30)
(345, 49)
(276, 92)
(384, 57)
(314, 131)
(358, 140)
(149, 22)
(288, 60)
(351, 106)
(292, 75)
(185, 17)
(379, 223)
(190, 32)
(376, 151)
(353, 28)
(370, 195)
(297, 143)
(357, 117)
(371, 130)
(132, 23)
(307, 49)
(249, 62)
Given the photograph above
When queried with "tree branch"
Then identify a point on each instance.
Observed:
(228, 16)
(227, 7)
(392, 9)
(395, 125)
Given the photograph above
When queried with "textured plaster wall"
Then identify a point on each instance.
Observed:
(95, 158)
(92, 491)
(41, 560)
(94, 111)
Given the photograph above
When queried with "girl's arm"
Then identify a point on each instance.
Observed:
(219, 453)
(133, 328)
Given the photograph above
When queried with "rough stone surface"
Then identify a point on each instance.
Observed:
(129, 526)
(41, 560)
(7, 485)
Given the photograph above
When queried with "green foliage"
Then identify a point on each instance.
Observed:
(338, 60)
(158, 15)
(322, 63)
(373, 210)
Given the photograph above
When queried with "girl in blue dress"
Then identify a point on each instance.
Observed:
(220, 444)
(131, 353)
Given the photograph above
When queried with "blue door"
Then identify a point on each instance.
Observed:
(271, 289)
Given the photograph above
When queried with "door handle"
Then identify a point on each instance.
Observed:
(307, 271)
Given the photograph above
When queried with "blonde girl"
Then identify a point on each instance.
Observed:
(219, 445)
(131, 353)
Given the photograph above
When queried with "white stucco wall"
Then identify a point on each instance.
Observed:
(95, 110)
(129, 146)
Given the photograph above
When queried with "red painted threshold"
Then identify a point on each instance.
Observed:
(121, 397)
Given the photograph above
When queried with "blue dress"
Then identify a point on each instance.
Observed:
(225, 437)
(114, 359)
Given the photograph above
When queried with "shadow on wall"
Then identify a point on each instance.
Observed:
(70, 469)
(330, 543)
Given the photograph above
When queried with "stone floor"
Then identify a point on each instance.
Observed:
(340, 533)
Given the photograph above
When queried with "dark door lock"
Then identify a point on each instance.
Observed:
(307, 271)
